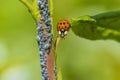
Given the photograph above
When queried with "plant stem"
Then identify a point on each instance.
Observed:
(44, 29)
(45, 42)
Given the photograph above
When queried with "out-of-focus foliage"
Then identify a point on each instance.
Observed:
(80, 59)
(98, 27)
(18, 46)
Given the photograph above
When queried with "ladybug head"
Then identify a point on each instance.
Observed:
(62, 33)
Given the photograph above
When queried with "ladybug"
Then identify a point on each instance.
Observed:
(63, 26)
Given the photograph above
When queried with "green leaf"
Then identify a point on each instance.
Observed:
(98, 27)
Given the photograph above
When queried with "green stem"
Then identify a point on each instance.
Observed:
(32, 9)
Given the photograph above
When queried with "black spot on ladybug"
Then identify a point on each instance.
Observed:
(65, 27)
(64, 23)
(59, 26)
(60, 23)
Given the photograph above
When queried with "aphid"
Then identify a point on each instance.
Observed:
(63, 26)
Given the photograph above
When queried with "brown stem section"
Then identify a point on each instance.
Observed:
(50, 64)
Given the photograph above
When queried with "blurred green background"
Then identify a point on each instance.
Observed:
(79, 58)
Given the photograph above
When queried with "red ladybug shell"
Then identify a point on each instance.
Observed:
(63, 26)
